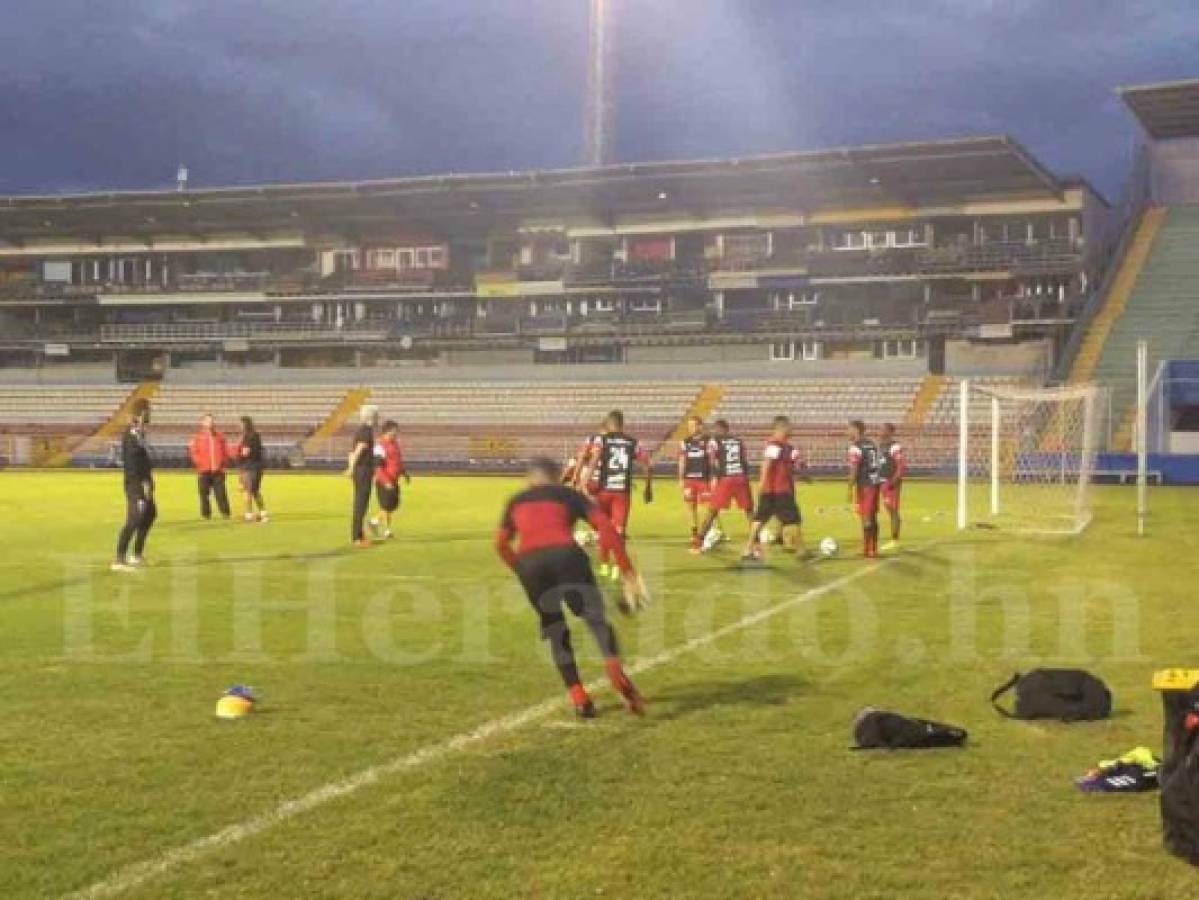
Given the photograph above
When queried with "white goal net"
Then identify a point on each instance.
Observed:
(1026, 457)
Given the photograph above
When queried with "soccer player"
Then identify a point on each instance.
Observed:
(730, 466)
(209, 453)
(140, 509)
(555, 572)
(865, 477)
(695, 473)
(576, 466)
(894, 466)
(776, 493)
(360, 469)
(611, 460)
(251, 457)
(388, 472)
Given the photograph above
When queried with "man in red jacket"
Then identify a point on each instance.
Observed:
(209, 453)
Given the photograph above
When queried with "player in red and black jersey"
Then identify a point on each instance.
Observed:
(573, 474)
(776, 492)
(555, 572)
(695, 473)
(730, 477)
(389, 469)
(895, 465)
(865, 479)
(612, 460)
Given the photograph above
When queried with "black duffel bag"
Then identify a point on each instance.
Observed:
(1069, 695)
(1179, 774)
(876, 729)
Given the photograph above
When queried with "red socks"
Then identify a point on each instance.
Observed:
(579, 695)
(616, 674)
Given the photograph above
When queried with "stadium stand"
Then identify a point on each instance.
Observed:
(499, 424)
(38, 422)
(819, 410)
(284, 415)
(1161, 310)
(60, 410)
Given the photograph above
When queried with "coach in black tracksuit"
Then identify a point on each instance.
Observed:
(140, 509)
(362, 472)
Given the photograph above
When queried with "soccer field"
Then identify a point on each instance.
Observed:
(413, 739)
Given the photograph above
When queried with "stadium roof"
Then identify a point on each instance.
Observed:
(1168, 110)
(910, 174)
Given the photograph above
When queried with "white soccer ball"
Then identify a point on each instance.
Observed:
(829, 547)
(711, 539)
(583, 536)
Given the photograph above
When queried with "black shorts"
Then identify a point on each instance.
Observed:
(251, 480)
(388, 496)
(778, 506)
(560, 576)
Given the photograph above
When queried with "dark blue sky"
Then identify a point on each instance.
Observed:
(115, 93)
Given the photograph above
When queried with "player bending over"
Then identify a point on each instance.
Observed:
(555, 572)
(776, 493)
(389, 469)
(695, 474)
(611, 460)
(865, 478)
(895, 464)
(730, 469)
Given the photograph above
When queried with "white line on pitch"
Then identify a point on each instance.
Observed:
(137, 874)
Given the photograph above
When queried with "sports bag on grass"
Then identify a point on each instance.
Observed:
(1069, 695)
(1180, 773)
(876, 729)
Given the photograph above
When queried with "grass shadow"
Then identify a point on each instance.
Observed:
(766, 690)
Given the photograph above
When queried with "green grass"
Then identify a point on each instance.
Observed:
(738, 783)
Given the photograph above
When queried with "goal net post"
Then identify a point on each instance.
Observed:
(1026, 457)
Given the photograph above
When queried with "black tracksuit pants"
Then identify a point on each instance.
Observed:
(212, 483)
(140, 513)
(362, 501)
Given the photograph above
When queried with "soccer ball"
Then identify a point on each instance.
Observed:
(712, 538)
(583, 536)
(829, 548)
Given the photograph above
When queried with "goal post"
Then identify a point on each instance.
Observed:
(1026, 457)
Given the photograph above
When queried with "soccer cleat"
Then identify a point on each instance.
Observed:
(890, 547)
(263, 518)
(388, 534)
(249, 517)
(586, 710)
(633, 700)
(614, 573)
(137, 562)
(362, 543)
(121, 566)
(603, 569)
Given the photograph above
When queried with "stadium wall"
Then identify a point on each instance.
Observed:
(1026, 358)
(693, 369)
(1175, 171)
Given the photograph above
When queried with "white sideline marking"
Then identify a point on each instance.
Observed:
(139, 873)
